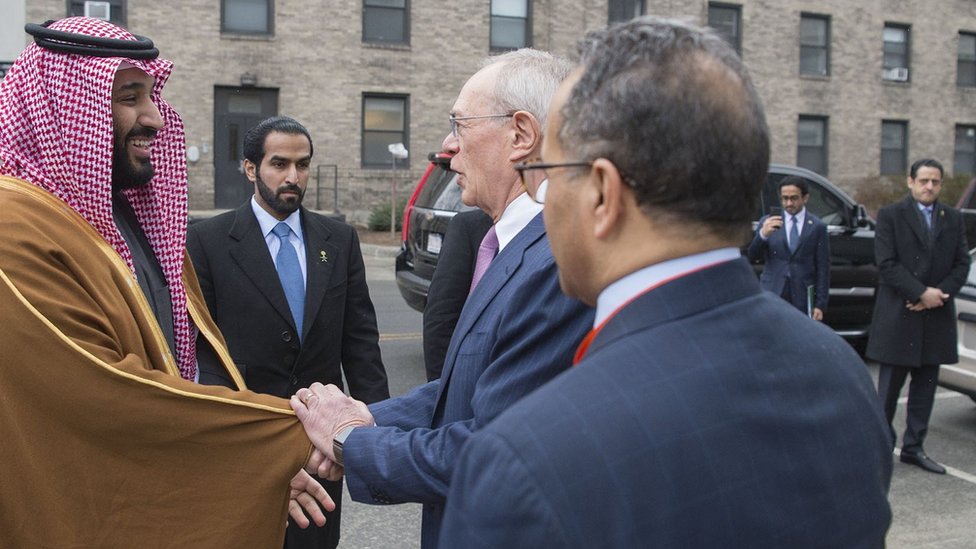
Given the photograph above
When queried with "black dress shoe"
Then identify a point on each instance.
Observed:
(925, 462)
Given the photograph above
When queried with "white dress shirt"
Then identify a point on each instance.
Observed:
(515, 217)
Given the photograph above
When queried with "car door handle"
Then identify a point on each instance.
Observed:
(967, 317)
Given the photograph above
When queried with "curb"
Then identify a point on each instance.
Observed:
(375, 250)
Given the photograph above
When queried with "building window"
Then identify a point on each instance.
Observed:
(624, 10)
(510, 28)
(965, 161)
(966, 64)
(386, 21)
(108, 10)
(247, 16)
(814, 44)
(811, 143)
(896, 52)
(726, 19)
(385, 122)
(894, 147)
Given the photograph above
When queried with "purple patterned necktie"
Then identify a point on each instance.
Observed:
(486, 252)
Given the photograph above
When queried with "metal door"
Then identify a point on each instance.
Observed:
(236, 110)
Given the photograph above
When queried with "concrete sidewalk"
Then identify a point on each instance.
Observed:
(374, 250)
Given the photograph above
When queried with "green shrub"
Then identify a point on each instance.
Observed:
(379, 216)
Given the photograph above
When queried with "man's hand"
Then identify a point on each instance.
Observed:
(817, 314)
(306, 493)
(325, 410)
(933, 297)
(322, 466)
(771, 224)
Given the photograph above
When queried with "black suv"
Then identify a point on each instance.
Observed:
(853, 274)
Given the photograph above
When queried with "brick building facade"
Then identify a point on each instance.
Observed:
(852, 89)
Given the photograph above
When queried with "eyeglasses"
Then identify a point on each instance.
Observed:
(537, 192)
(454, 119)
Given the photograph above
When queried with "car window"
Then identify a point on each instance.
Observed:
(822, 203)
(450, 197)
(437, 182)
(826, 205)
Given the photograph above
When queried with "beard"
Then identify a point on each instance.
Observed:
(126, 172)
(283, 206)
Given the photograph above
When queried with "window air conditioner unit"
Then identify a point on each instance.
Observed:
(98, 10)
(899, 74)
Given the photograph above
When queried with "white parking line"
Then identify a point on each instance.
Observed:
(951, 471)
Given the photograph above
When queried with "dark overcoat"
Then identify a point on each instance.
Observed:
(909, 260)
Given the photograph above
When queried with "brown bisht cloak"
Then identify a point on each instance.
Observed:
(102, 444)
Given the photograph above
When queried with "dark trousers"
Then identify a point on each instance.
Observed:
(921, 396)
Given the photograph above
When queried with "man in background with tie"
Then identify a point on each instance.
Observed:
(798, 258)
(517, 330)
(287, 287)
(922, 255)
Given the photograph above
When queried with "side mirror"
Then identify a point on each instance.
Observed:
(861, 218)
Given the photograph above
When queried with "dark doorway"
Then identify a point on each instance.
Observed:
(236, 110)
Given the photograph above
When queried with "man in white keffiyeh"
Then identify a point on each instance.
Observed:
(100, 309)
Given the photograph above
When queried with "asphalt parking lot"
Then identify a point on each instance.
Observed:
(931, 511)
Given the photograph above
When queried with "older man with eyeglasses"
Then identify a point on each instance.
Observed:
(517, 329)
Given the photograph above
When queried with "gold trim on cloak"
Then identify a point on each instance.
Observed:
(71, 216)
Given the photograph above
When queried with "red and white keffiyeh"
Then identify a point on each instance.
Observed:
(56, 133)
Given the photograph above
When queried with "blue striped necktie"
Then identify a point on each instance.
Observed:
(290, 274)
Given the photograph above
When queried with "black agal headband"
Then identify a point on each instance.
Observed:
(94, 46)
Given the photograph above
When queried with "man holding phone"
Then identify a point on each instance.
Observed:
(797, 259)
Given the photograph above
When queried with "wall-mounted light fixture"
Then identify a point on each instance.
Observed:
(249, 80)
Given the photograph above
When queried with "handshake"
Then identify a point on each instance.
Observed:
(326, 413)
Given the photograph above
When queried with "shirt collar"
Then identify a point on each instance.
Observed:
(801, 216)
(267, 221)
(516, 216)
(630, 286)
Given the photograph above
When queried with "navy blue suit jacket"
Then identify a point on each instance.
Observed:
(705, 414)
(808, 266)
(516, 331)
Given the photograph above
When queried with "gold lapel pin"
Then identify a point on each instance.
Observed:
(322, 257)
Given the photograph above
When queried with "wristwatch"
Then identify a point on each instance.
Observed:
(338, 441)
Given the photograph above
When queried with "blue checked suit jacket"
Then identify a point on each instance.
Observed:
(705, 414)
(516, 332)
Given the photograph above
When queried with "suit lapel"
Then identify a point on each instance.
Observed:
(778, 240)
(499, 272)
(938, 220)
(320, 258)
(807, 233)
(911, 215)
(250, 251)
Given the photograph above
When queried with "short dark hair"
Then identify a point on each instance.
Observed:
(672, 106)
(797, 182)
(255, 137)
(926, 163)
